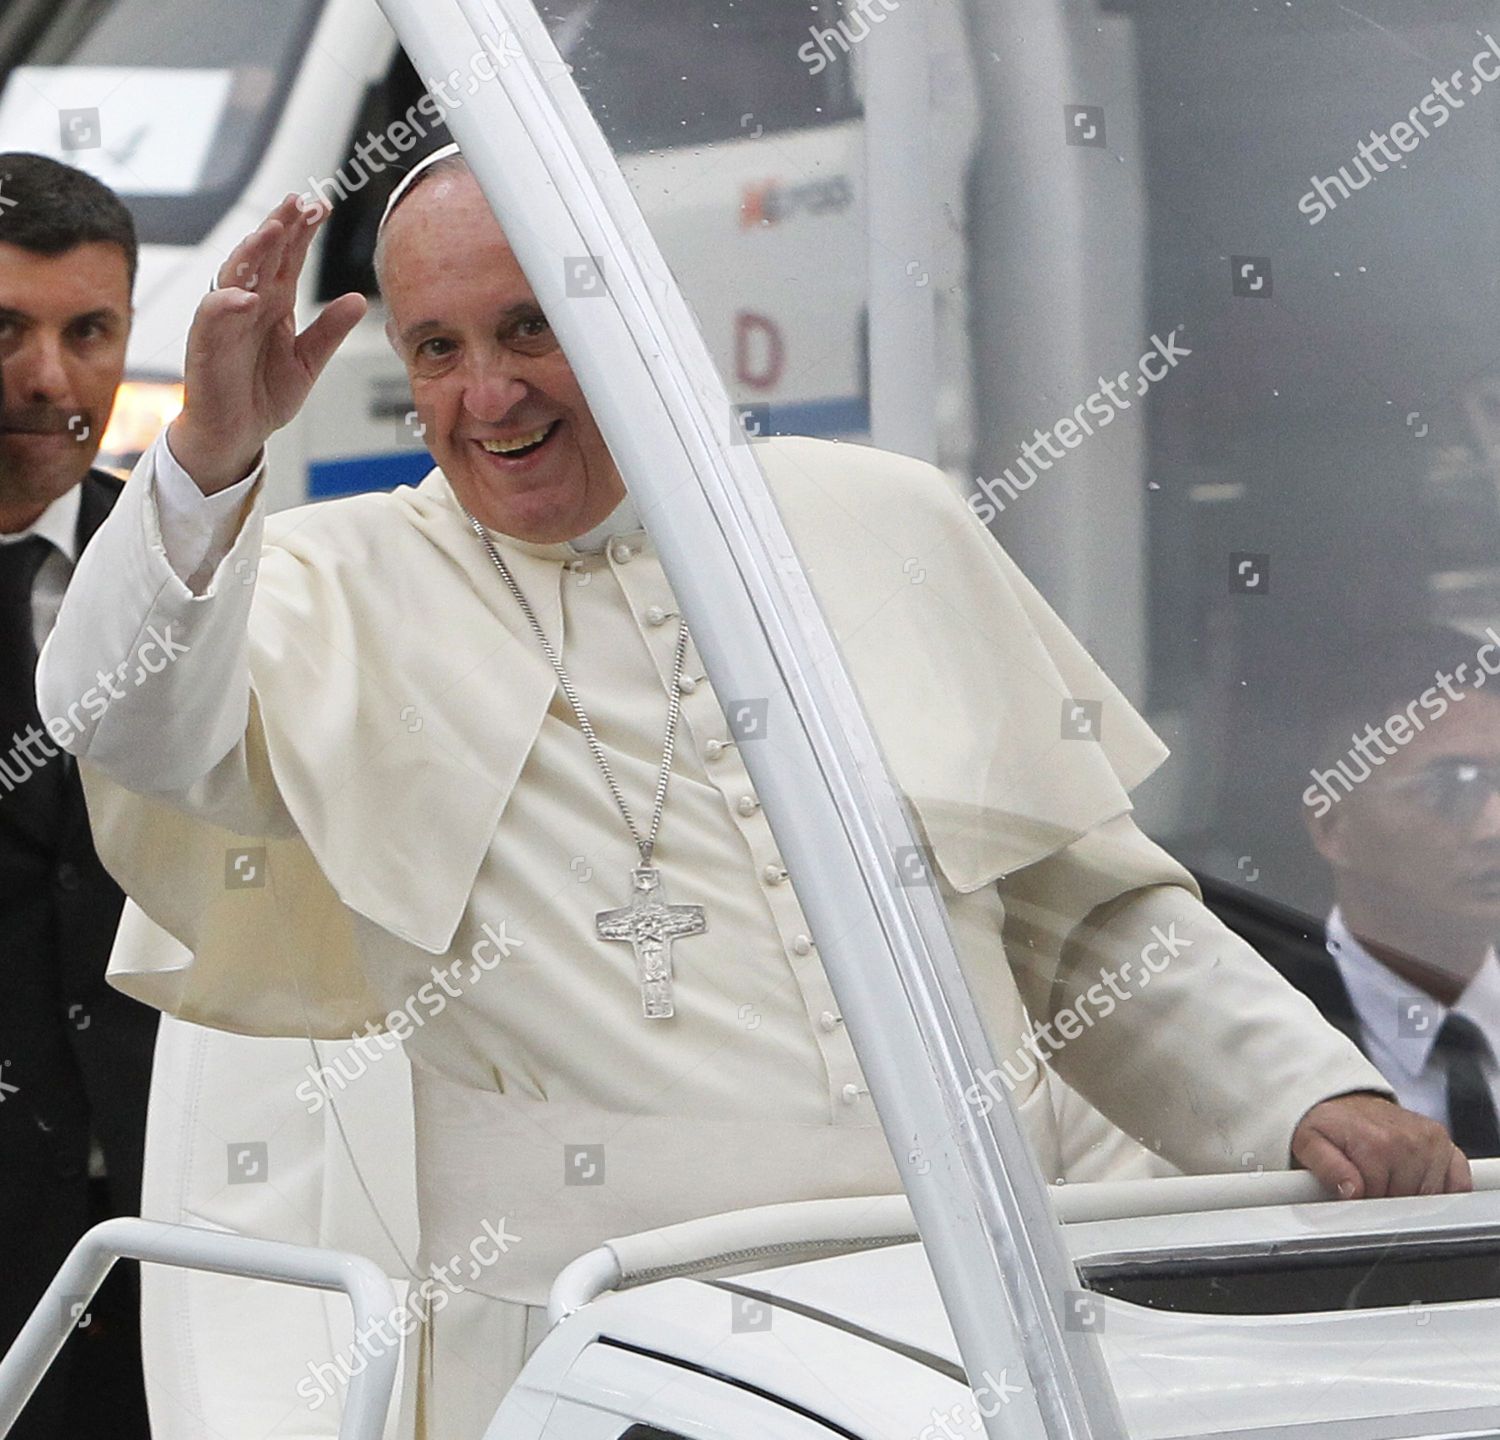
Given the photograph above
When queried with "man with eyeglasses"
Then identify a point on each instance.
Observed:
(1409, 824)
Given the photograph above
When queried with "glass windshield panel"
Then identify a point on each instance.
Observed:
(745, 152)
(1230, 371)
(1211, 473)
(1212, 367)
(724, 68)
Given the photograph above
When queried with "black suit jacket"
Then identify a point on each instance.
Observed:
(75, 1055)
(1296, 946)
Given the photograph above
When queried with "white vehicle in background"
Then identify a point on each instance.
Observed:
(202, 114)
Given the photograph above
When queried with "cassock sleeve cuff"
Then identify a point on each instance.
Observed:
(197, 530)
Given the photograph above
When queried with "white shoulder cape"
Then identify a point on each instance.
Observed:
(392, 711)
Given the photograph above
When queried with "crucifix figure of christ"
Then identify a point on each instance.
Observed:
(651, 925)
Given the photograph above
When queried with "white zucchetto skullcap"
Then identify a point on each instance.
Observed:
(445, 152)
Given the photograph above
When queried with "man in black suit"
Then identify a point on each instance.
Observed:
(1404, 808)
(75, 1055)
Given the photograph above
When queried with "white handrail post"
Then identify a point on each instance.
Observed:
(191, 1248)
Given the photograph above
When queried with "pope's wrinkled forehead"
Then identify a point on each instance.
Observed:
(440, 207)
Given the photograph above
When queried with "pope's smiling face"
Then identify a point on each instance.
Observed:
(504, 415)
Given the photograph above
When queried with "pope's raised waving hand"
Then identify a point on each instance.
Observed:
(248, 371)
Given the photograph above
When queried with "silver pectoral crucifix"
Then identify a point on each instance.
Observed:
(651, 925)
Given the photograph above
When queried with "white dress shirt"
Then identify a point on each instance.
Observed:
(58, 523)
(1400, 1023)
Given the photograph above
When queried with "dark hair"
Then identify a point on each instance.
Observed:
(1385, 673)
(49, 207)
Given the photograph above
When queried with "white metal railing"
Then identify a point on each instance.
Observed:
(768, 1235)
(152, 1242)
(785, 1234)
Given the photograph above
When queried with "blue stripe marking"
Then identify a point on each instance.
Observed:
(327, 478)
(846, 416)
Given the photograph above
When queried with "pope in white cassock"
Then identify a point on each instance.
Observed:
(441, 720)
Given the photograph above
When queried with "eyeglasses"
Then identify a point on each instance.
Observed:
(1456, 791)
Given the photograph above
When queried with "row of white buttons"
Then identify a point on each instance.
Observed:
(714, 750)
(747, 805)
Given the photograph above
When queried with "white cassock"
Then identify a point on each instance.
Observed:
(361, 776)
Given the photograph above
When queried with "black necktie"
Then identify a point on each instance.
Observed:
(1471, 1103)
(31, 772)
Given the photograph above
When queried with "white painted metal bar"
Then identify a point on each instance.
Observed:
(694, 1247)
(898, 173)
(1199, 1194)
(979, 1199)
(797, 1228)
(151, 1242)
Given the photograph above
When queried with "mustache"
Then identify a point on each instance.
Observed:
(41, 419)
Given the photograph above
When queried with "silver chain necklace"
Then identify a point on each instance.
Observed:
(648, 923)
